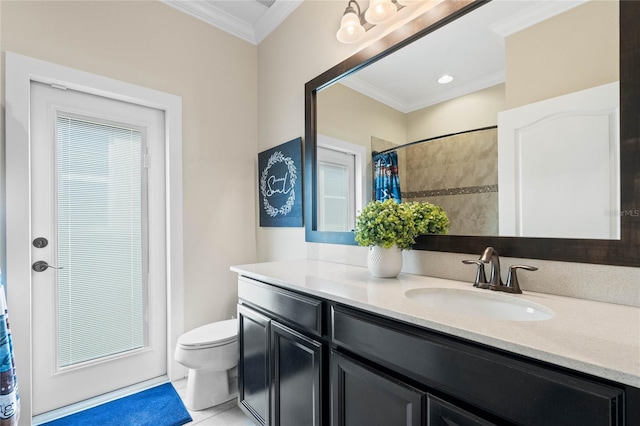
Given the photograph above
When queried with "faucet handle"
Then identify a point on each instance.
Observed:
(481, 278)
(512, 285)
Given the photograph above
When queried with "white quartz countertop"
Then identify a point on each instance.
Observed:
(601, 339)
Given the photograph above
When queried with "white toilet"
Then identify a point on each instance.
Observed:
(210, 353)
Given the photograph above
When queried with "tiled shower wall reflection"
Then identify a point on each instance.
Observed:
(460, 174)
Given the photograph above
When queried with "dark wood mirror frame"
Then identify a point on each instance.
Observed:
(623, 252)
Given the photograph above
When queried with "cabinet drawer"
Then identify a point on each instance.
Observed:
(292, 308)
(513, 389)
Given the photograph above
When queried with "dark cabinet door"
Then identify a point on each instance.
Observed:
(296, 374)
(363, 396)
(253, 364)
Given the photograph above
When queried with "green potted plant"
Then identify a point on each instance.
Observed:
(388, 227)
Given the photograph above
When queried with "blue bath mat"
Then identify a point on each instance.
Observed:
(158, 406)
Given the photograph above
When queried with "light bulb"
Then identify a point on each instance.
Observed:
(379, 11)
(350, 28)
(445, 78)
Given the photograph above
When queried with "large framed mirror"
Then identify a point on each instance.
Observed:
(596, 219)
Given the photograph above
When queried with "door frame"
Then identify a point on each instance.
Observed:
(20, 71)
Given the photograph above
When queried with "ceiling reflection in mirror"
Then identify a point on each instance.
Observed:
(539, 81)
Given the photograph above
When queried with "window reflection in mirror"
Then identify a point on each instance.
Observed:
(502, 68)
(341, 169)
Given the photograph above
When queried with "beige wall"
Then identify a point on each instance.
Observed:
(348, 115)
(152, 45)
(305, 46)
(472, 111)
(569, 52)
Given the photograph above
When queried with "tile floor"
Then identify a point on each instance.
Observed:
(227, 414)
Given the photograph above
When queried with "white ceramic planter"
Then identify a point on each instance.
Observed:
(384, 263)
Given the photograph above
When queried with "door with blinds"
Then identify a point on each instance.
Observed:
(336, 190)
(98, 228)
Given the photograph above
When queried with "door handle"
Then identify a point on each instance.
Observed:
(41, 266)
(40, 242)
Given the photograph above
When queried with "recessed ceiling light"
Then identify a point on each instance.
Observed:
(446, 78)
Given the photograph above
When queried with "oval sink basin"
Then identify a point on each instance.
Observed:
(476, 303)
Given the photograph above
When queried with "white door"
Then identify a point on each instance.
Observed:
(98, 198)
(559, 166)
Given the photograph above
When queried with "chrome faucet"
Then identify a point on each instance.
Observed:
(490, 256)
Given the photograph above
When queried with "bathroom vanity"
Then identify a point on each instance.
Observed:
(324, 343)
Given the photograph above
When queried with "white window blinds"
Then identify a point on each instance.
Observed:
(101, 206)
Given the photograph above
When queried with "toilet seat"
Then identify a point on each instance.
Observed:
(210, 335)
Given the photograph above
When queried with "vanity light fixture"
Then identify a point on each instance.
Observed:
(445, 78)
(354, 23)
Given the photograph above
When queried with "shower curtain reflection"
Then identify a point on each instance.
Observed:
(386, 179)
(9, 394)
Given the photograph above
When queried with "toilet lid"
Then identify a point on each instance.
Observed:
(214, 334)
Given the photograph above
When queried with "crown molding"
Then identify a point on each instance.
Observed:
(254, 34)
(273, 17)
(404, 107)
(533, 15)
(373, 92)
(457, 91)
(212, 15)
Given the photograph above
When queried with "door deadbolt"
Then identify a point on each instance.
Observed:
(40, 242)
(41, 266)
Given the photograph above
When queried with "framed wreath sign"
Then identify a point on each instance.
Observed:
(280, 184)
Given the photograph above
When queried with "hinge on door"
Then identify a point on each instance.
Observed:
(58, 86)
(145, 161)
